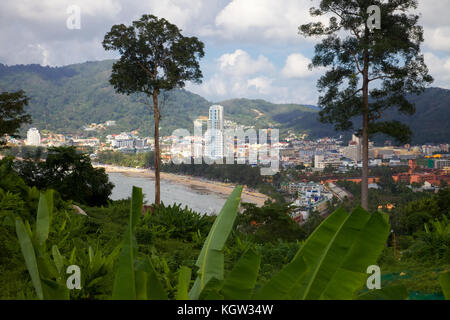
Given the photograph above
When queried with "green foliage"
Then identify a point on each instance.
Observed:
(70, 173)
(389, 56)
(419, 275)
(145, 160)
(210, 261)
(411, 217)
(397, 292)
(170, 60)
(241, 281)
(433, 245)
(184, 281)
(314, 220)
(281, 285)
(30, 256)
(162, 247)
(337, 255)
(173, 222)
(389, 193)
(125, 283)
(12, 113)
(445, 283)
(10, 180)
(269, 223)
(330, 265)
(65, 99)
(236, 173)
(45, 273)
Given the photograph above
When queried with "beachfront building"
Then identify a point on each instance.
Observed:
(214, 135)
(33, 137)
(354, 149)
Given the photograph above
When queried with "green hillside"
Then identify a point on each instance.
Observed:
(65, 99)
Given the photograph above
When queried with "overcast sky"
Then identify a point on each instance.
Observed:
(252, 46)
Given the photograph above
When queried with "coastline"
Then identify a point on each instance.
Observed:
(194, 182)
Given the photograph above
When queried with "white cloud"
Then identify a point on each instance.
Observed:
(438, 38)
(34, 31)
(262, 84)
(215, 87)
(436, 23)
(240, 63)
(297, 67)
(263, 19)
(55, 10)
(237, 74)
(439, 69)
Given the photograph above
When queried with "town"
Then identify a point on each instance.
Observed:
(320, 163)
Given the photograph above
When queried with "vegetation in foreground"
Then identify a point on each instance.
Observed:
(169, 241)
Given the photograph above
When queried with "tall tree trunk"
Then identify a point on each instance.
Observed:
(365, 137)
(157, 151)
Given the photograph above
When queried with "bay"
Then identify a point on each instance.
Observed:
(198, 199)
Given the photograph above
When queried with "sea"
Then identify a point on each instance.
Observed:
(199, 199)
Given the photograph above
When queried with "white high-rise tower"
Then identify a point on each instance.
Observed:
(214, 135)
(33, 137)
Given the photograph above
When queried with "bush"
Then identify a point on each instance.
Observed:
(174, 222)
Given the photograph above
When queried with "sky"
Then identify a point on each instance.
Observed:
(252, 47)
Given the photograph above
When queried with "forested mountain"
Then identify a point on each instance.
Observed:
(65, 99)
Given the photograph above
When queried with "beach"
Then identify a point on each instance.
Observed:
(193, 182)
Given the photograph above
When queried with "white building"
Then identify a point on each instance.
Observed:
(33, 137)
(318, 160)
(214, 135)
(354, 149)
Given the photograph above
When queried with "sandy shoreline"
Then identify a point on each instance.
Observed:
(194, 182)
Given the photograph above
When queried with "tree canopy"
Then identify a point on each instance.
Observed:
(12, 113)
(372, 52)
(154, 57)
(70, 173)
(389, 57)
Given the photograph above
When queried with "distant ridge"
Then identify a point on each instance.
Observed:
(65, 99)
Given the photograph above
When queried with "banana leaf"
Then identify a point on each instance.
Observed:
(141, 285)
(398, 292)
(338, 253)
(212, 290)
(124, 282)
(364, 252)
(240, 283)
(58, 259)
(29, 255)
(211, 259)
(184, 280)
(54, 290)
(281, 285)
(155, 290)
(444, 280)
(43, 218)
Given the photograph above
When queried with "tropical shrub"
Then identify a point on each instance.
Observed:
(330, 264)
(433, 244)
(269, 223)
(68, 172)
(176, 222)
